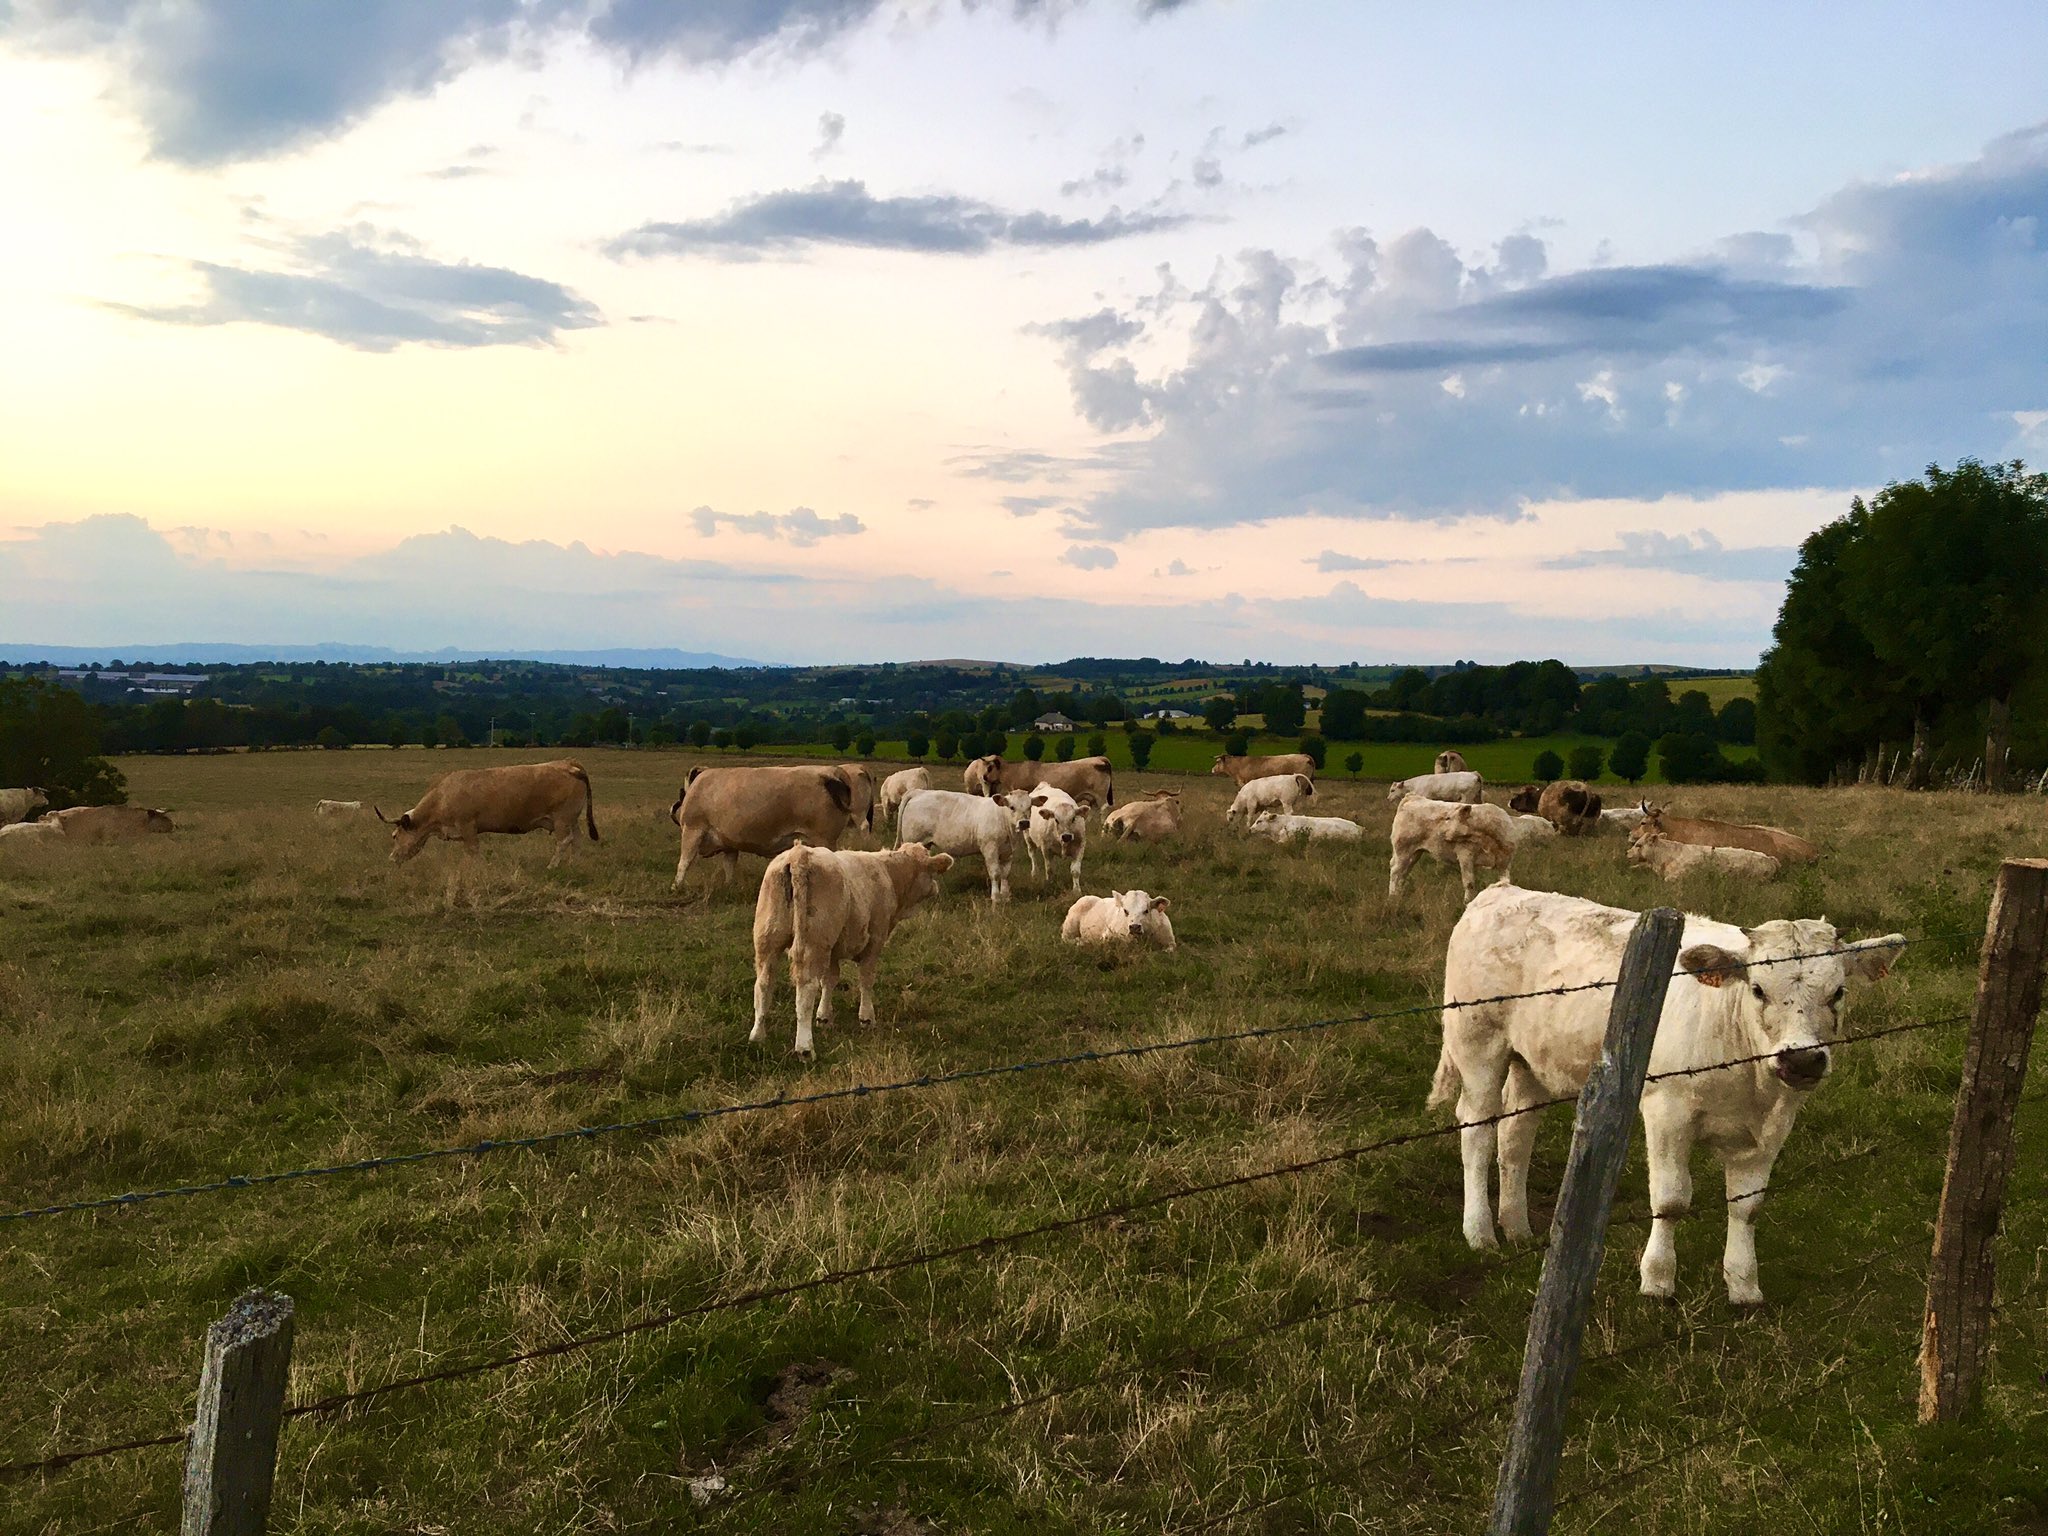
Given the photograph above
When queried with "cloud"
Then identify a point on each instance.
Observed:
(1700, 554)
(1029, 506)
(1329, 560)
(1089, 557)
(844, 213)
(218, 81)
(1897, 322)
(799, 526)
(831, 129)
(376, 291)
(1178, 567)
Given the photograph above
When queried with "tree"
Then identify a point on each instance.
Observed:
(1098, 746)
(1034, 746)
(1344, 714)
(1630, 759)
(1063, 749)
(1239, 744)
(994, 744)
(50, 740)
(1689, 758)
(1284, 708)
(841, 737)
(1315, 749)
(450, 732)
(1549, 767)
(916, 744)
(1355, 761)
(746, 737)
(721, 738)
(947, 746)
(1736, 724)
(1219, 713)
(866, 744)
(700, 733)
(429, 737)
(1141, 749)
(330, 738)
(1587, 762)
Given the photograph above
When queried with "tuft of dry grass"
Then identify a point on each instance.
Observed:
(263, 990)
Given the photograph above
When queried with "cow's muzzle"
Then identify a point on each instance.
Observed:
(1802, 1068)
(1067, 840)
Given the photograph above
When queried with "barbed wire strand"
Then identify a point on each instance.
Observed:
(490, 1145)
(924, 1257)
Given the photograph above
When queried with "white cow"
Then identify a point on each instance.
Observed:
(1532, 829)
(1282, 828)
(1058, 830)
(339, 808)
(1622, 819)
(33, 832)
(1460, 788)
(899, 787)
(959, 824)
(1284, 792)
(18, 805)
(1772, 992)
(1674, 861)
(1473, 837)
(1121, 917)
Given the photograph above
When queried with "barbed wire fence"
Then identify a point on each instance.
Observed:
(1139, 1204)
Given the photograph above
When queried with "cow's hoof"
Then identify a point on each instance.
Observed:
(1660, 1290)
(1745, 1294)
(1515, 1231)
(1481, 1238)
(805, 1055)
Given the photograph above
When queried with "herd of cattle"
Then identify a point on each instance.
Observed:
(1514, 1031)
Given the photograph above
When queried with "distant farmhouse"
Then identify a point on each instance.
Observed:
(1052, 722)
(1169, 714)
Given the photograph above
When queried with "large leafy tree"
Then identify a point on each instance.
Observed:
(50, 740)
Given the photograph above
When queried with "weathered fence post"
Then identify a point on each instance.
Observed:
(232, 1456)
(1956, 1337)
(1578, 1232)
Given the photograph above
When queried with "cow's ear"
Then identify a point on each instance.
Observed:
(942, 862)
(1873, 959)
(1711, 965)
(405, 820)
(1116, 895)
(1038, 799)
(1161, 903)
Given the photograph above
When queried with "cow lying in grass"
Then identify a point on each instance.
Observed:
(823, 909)
(1774, 991)
(1674, 861)
(1774, 841)
(1121, 917)
(1282, 828)
(1150, 820)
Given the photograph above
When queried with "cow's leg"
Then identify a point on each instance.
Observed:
(1516, 1136)
(764, 990)
(563, 845)
(810, 986)
(1403, 861)
(1482, 1075)
(1075, 869)
(1667, 1140)
(729, 870)
(1747, 1177)
(1465, 873)
(998, 878)
(868, 964)
(692, 848)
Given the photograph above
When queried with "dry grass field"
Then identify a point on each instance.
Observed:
(263, 991)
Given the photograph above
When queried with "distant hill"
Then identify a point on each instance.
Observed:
(202, 653)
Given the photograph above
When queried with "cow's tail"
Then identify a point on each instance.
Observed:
(1443, 1087)
(799, 867)
(589, 800)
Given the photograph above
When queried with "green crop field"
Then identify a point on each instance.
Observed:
(1718, 689)
(264, 991)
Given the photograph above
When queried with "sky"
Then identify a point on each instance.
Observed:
(842, 330)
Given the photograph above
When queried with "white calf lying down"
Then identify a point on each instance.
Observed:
(824, 908)
(1058, 830)
(1285, 792)
(339, 808)
(1121, 917)
(1506, 1055)
(1621, 819)
(33, 832)
(1473, 837)
(1674, 861)
(1532, 829)
(1317, 829)
(1465, 788)
(958, 824)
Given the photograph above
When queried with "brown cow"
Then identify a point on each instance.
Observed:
(1778, 844)
(1150, 820)
(109, 823)
(823, 909)
(1567, 805)
(1087, 779)
(860, 778)
(1451, 760)
(1245, 769)
(528, 797)
(731, 811)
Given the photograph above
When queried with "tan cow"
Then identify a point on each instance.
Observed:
(899, 787)
(1567, 805)
(731, 811)
(1470, 836)
(1150, 820)
(1450, 760)
(1674, 861)
(109, 823)
(1121, 917)
(860, 778)
(1244, 769)
(1780, 845)
(530, 797)
(824, 908)
(21, 805)
(1087, 779)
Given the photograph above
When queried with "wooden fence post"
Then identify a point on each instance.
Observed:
(232, 1456)
(1578, 1232)
(1956, 1336)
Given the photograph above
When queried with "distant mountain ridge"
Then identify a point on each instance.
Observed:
(201, 653)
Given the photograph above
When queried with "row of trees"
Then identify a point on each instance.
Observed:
(1919, 617)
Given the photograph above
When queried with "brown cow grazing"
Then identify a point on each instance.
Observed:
(531, 797)
(109, 823)
(1245, 769)
(1087, 779)
(1150, 820)
(731, 811)
(822, 909)
(1778, 844)
(1567, 805)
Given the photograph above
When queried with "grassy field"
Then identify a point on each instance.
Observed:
(262, 991)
